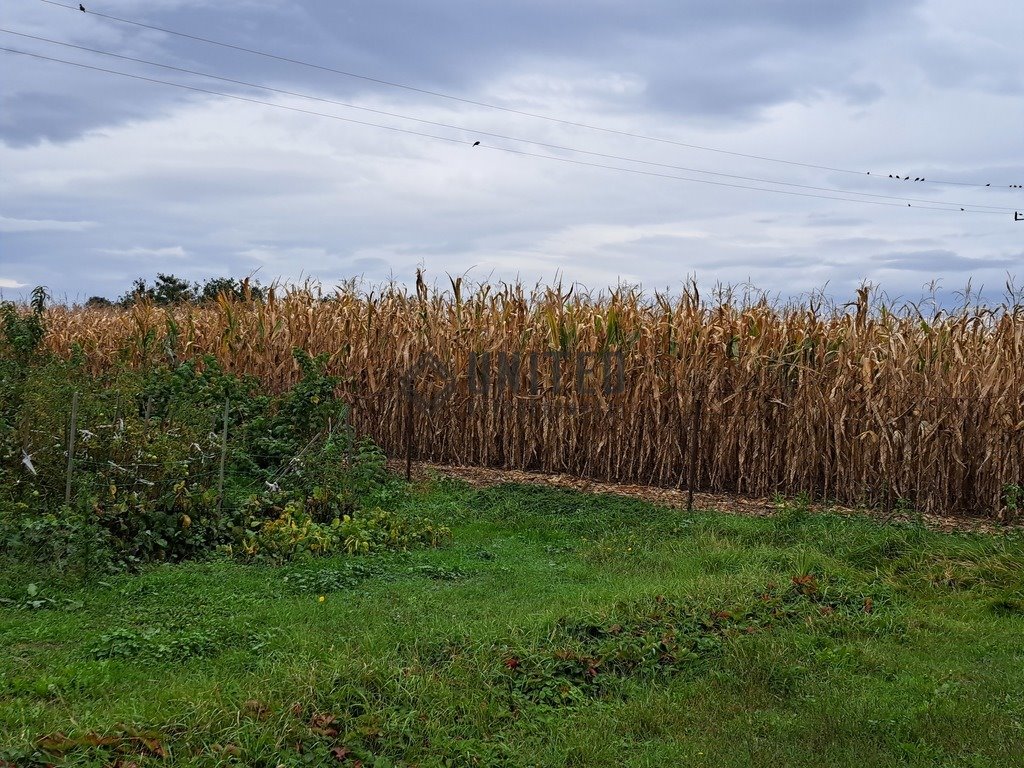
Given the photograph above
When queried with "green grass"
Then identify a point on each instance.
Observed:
(557, 629)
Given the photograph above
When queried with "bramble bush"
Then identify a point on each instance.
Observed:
(148, 455)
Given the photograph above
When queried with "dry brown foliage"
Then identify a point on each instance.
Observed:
(863, 403)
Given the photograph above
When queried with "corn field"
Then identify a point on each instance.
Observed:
(863, 403)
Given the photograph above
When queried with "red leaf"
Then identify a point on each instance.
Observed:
(59, 744)
(340, 753)
(56, 743)
(806, 584)
(322, 719)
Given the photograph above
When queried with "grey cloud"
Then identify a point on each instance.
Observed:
(699, 58)
(861, 93)
(938, 260)
(988, 69)
(441, 248)
(8, 224)
(832, 220)
(852, 243)
(375, 267)
(855, 84)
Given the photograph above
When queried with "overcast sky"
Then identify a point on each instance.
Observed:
(104, 179)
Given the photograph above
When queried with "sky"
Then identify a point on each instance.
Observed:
(105, 179)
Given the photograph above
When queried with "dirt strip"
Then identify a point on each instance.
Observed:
(672, 497)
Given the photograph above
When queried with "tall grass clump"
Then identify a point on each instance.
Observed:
(868, 402)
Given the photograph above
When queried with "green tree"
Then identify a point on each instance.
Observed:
(229, 286)
(166, 290)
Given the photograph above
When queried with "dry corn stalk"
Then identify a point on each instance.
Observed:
(864, 403)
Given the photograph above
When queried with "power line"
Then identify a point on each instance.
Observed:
(494, 148)
(546, 145)
(940, 207)
(523, 113)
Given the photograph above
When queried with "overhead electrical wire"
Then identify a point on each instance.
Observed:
(523, 113)
(523, 153)
(937, 207)
(559, 147)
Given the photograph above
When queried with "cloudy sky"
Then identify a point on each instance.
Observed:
(104, 178)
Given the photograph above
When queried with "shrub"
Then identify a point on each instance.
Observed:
(147, 464)
(294, 533)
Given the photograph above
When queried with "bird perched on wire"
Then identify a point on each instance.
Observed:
(476, 143)
(81, 8)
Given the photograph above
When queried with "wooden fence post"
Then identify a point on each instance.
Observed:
(694, 438)
(408, 432)
(223, 456)
(72, 431)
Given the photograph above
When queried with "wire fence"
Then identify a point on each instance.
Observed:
(964, 452)
(116, 449)
(119, 452)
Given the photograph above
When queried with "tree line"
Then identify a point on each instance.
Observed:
(168, 290)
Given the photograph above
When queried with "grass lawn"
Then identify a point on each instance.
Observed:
(555, 629)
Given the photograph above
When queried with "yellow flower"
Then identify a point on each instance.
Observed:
(321, 599)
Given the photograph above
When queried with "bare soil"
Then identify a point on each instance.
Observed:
(676, 498)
